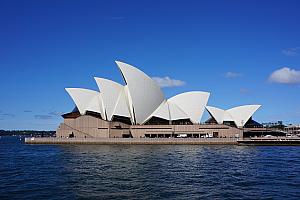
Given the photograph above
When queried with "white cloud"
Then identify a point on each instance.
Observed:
(291, 51)
(285, 75)
(168, 82)
(232, 75)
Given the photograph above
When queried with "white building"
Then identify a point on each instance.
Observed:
(139, 109)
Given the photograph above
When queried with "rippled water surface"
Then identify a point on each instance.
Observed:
(147, 172)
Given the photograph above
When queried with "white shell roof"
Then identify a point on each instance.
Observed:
(187, 109)
(216, 113)
(176, 112)
(192, 103)
(169, 111)
(162, 111)
(114, 98)
(240, 114)
(121, 108)
(145, 94)
(129, 103)
(227, 117)
(86, 100)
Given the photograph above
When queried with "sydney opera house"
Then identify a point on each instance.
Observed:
(139, 109)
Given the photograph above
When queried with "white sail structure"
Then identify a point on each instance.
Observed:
(169, 111)
(122, 107)
(239, 115)
(188, 105)
(192, 103)
(114, 98)
(216, 113)
(242, 114)
(86, 100)
(162, 111)
(146, 95)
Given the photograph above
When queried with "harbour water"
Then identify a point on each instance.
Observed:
(147, 171)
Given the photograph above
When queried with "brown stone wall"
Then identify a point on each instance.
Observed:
(91, 127)
(84, 126)
(138, 131)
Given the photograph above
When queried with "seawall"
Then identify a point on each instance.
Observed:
(134, 141)
(274, 141)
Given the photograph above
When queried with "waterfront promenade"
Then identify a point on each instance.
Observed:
(134, 141)
(165, 141)
(270, 141)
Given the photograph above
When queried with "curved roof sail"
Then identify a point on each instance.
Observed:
(145, 94)
(121, 108)
(216, 113)
(169, 111)
(192, 103)
(110, 91)
(129, 103)
(242, 114)
(86, 100)
(176, 113)
(162, 111)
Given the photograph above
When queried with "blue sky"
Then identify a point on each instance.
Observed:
(229, 48)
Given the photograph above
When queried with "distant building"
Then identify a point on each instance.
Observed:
(293, 129)
(273, 124)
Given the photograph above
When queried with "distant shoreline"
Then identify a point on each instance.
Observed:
(31, 133)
